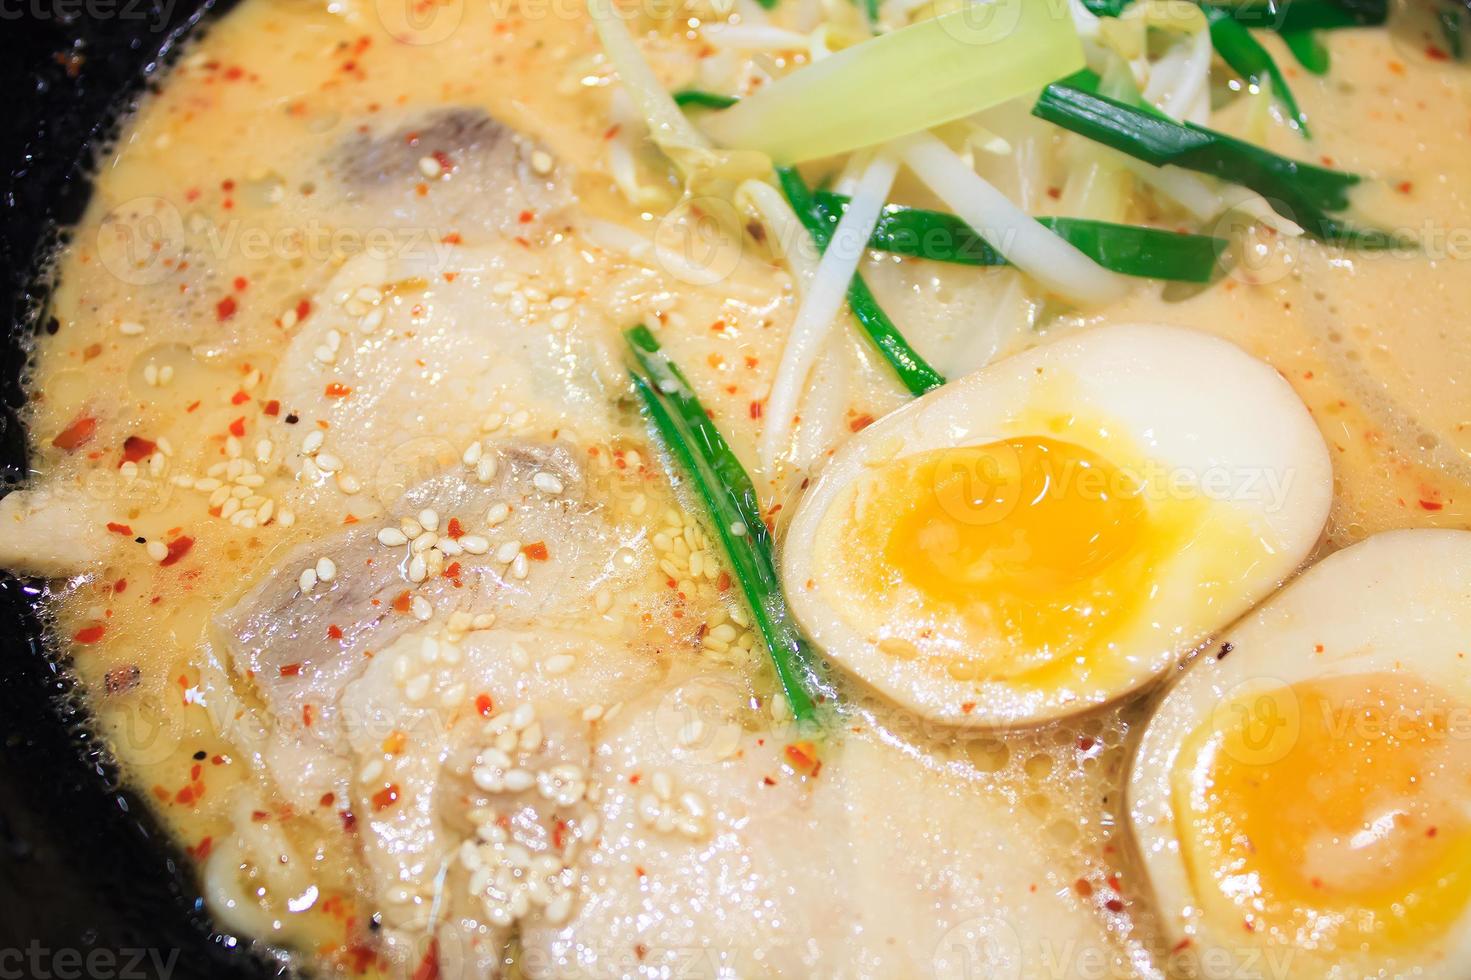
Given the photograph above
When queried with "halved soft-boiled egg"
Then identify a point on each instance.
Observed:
(1302, 798)
(1052, 531)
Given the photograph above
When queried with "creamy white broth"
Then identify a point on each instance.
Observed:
(240, 168)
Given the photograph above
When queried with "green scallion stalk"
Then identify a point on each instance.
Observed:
(700, 99)
(729, 498)
(1309, 50)
(1251, 61)
(1150, 253)
(1305, 15)
(1309, 195)
(912, 79)
(913, 371)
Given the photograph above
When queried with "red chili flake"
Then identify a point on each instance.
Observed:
(1085, 743)
(191, 406)
(76, 434)
(385, 797)
(641, 950)
(137, 448)
(349, 820)
(178, 548)
(239, 398)
(185, 795)
(428, 968)
(273, 408)
(122, 529)
(89, 634)
(1431, 504)
(1431, 831)
(526, 217)
(1083, 887)
(452, 570)
(768, 780)
(291, 670)
(401, 602)
(90, 352)
(755, 410)
(1436, 54)
(802, 756)
(1114, 905)
(443, 159)
(1404, 187)
(120, 586)
(559, 834)
(327, 799)
(226, 308)
(611, 132)
(454, 529)
(1054, 192)
(161, 793)
(1181, 946)
(201, 850)
(334, 632)
(240, 283)
(336, 389)
(453, 238)
(237, 427)
(306, 715)
(303, 310)
(535, 551)
(860, 423)
(968, 707)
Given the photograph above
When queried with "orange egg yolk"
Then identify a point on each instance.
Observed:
(1038, 544)
(1331, 813)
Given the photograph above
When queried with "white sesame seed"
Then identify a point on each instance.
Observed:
(312, 442)
(263, 450)
(130, 328)
(424, 542)
(429, 518)
(450, 547)
(371, 771)
(308, 580)
(418, 687)
(411, 528)
(663, 785)
(498, 512)
(430, 167)
(738, 528)
(150, 375)
(333, 340)
(547, 483)
(475, 544)
(250, 480)
(541, 162)
(328, 463)
(472, 453)
(286, 518)
(507, 552)
(324, 354)
(492, 422)
(326, 569)
(266, 510)
(348, 483)
(560, 664)
(165, 375)
(229, 507)
(603, 600)
(421, 608)
(485, 468)
(392, 537)
(418, 569)
(157, 550)
(520, 567)
(372, 321)
(518, 780)
(483, 621)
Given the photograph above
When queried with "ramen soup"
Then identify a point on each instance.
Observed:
(959, 491)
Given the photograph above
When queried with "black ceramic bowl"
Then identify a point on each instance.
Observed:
(90, 886)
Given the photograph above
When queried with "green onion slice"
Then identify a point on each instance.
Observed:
(1309, 50)
(1307, 194)
(701, 99)
(731, 507)
(1251, 61)
(913, 371)
(1150, 253)
(931, 72)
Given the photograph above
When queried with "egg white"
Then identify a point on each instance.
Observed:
(1195, 405)
(1398, 603)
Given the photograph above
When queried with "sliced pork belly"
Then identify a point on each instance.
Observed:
(478, 175)
(54, 530)
(472, 753)
(408, 364)
(740, 866)
(508, 551)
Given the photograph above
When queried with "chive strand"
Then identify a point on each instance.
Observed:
(1247, 58)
